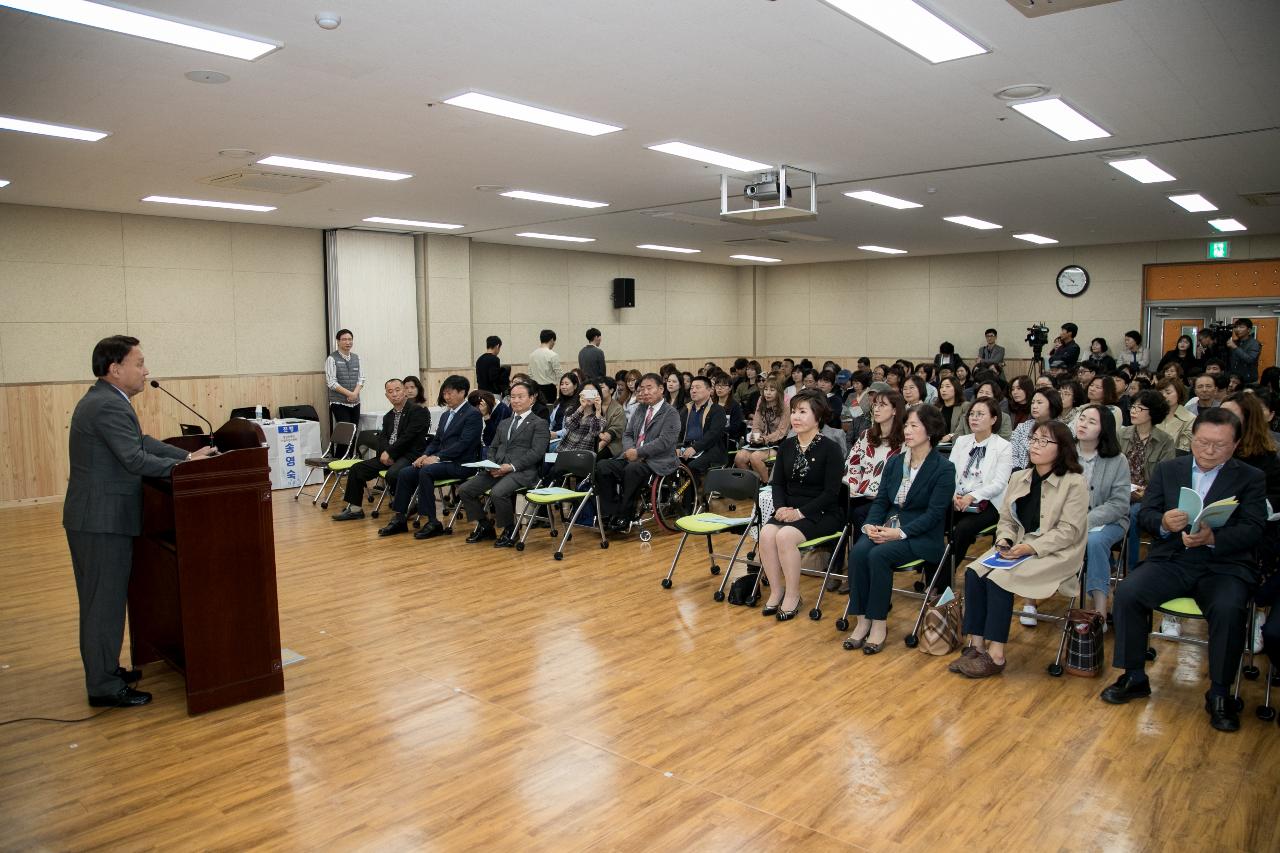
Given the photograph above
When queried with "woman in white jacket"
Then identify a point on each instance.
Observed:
(983, 462)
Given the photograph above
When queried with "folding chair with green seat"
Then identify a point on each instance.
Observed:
(912, 639)
(338, 468)
(1187, 608)
(837, 540)
(447, 504)
(580, 465)
(735, 484)
(342, 435)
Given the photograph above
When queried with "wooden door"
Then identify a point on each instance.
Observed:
(1172, 331)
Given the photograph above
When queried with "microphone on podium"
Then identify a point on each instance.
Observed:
(155, 384)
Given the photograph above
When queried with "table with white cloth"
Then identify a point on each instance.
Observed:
(289, 443)
(373, 420)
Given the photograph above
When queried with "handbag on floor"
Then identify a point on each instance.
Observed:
(1084, 642)
(940, 631)
(740, 591)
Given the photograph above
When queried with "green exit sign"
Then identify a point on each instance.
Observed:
(1219, 249)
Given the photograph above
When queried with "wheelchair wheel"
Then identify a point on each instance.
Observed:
(672, 496)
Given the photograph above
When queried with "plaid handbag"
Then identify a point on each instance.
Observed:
(1084, 642)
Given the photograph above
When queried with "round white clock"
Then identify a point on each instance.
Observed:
(1073, 280)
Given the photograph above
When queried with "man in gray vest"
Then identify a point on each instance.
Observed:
(344, 378)
(103, 511)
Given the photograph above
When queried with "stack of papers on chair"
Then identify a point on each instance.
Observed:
(483, 463)
(724, 519)
(552, 491)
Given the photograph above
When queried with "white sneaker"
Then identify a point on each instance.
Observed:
(1258, 620)
(1171, 625)
(1027, 621)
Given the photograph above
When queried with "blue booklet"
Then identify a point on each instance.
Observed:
(995, 561)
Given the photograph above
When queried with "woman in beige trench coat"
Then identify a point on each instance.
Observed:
(1045, 518)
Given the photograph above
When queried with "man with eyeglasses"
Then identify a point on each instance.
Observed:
(1217, 568)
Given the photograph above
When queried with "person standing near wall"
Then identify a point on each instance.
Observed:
(544, 366)
(344, 378)
(591, 357)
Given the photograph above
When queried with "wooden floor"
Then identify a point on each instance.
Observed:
(459, 698)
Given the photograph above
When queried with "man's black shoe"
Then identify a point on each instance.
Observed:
(430, 530)
(507, 539)
(1126, 688)
(128, 676)
(1222, 713)
(126, 698)
(484, 530)
(349, 514)
(620, 525)
(397, 524)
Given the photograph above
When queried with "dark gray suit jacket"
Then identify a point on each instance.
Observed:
(109, 458)
(659, 440)
(526, 450)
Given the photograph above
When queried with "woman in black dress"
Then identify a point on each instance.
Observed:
(806, 501)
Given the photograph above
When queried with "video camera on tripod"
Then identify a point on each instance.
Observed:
(1037, 337)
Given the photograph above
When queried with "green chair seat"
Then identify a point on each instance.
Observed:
(343, 464)
(910, 565)
(701, 523)
(819, 540)
(991, 529)
(1181, 607)
(452, 482)
(556, 498)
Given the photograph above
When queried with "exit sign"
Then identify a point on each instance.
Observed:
(1219, 249)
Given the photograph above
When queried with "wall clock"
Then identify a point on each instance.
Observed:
(1072, 280)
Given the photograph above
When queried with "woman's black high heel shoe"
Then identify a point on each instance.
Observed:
(784, 615)
(771, 609)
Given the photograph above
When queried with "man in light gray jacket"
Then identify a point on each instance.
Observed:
(648, 447)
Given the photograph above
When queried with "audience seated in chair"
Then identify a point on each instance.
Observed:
(483, 402)
(566, 402)
(596, 424)
(806, 501)
(1144, 446)
(1217, 568)
(1177, 423)
(457, 440)
(702, 439)
(648, 448)
(906, 523)
(735, 425)
(404, 428)
(983, 463)
(769, 425)
(1046, 405)
(954, 408)
(1043, 518)
(1106, 471)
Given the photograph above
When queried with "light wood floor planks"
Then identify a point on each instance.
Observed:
(455, 697)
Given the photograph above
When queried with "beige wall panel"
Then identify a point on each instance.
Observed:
(28, 356)
(543, 305)
(449, 301)
(159, 241)
(899, 338)
(447, 347)
(838, 279)
(591, 269)
(690, 277)
(1040, 301)
(60, 293)
(157, 295)
(199, 348)
(783, 280)
(788, 340)
(265, 346)
(1111, 299)
(523, 340)
(650, 308)
(60, 236)
(841, 338)
(448, 257)
(1183, 251)
(650, 274)
(1033, 266)
(1122, 261)
(962, 303)
(273, 248)
(954, 271)
(639, 341)
(490, 262)
(686, 341)
(966, 337)
(530, 265)
(299, 299)
(591, 306)
(1261, 246)
(789, 308)
(490, 303)
(893, 305)
(899, 274)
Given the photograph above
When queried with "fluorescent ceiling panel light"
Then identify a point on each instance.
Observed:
(1035, 238)
(757, 258)
(411, 223)
(553, 199)
(195, 202)
(1193, 202)
(980, 224)
(335, 168)
(886, 200)
(1062, 119)
(1141, 169)
(1228, 224)
(561, 237)
(521, 112)
(4, 184)
(706, 155)
(656, 248)
(23, 125)
(147, 26)
(883, 250)
(912, 26)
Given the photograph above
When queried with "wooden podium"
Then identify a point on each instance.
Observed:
(203, 591)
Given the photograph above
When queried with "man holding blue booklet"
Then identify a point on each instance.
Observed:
(1213, 563)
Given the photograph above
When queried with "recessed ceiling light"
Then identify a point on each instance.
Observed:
(411, 223)
(552, 199)
(237, 153)
(912, 26)
(656, 248)
(1228, 224)
(561, 237)
(147, 26)
(757, 258)
(3, 183)
(883, 250)
(23, 125)
(335, 168)
(706, 155)
(1022, 92)
(1193, 202)
(195, 202)
(1141, 169)
(205, 75)
(980, 224)
(1035, 238)
(521, 112)
(881, 198)
(1061, 118)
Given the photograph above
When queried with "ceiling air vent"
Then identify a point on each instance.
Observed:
(1040, 8)
(277, 183)
(1271, 199)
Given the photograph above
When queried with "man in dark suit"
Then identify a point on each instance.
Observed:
(519, 449)
(103, 511)
(702, 444)
(648, 447)
(457, 440)
(1215, 567)
(404, 429)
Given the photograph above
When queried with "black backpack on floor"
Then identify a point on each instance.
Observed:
(740, 591)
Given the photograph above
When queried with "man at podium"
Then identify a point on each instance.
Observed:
(103, 511)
